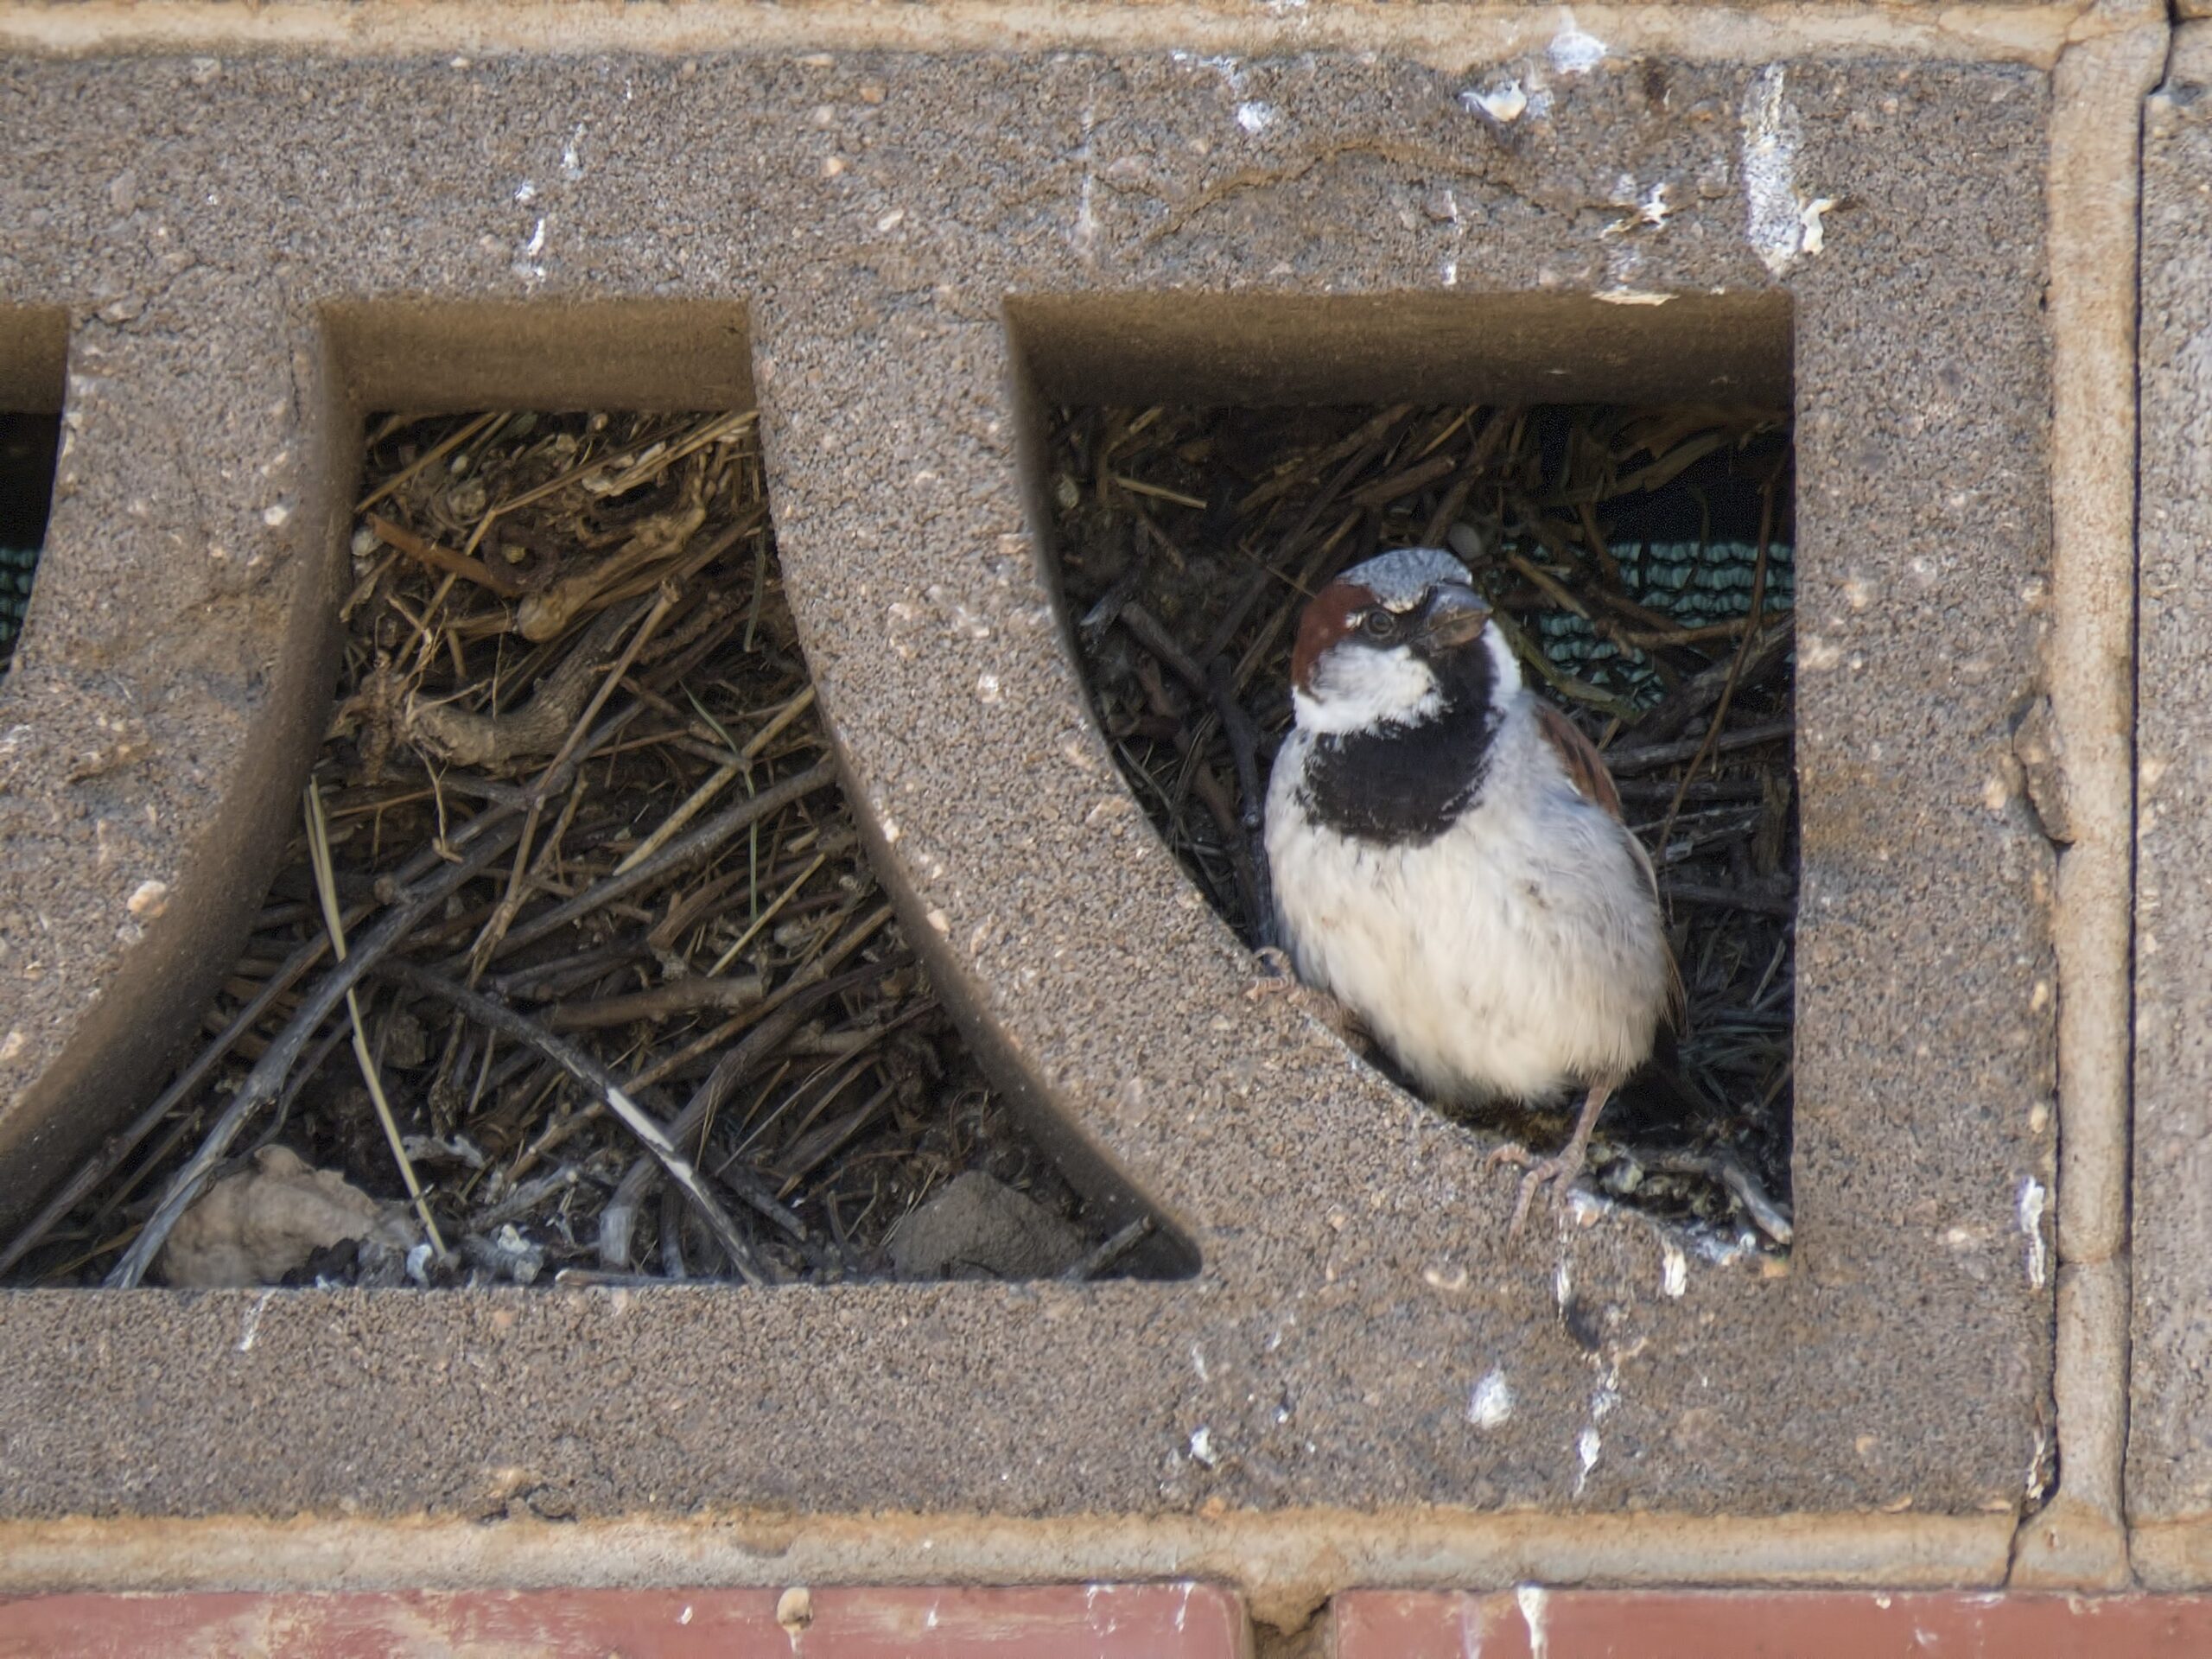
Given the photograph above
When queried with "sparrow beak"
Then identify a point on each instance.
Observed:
(1455, 614)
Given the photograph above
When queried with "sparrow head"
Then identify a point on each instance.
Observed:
(1396, 641)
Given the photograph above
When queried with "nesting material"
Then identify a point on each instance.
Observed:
(261, 1225)
(619, 997)
(1641, 563)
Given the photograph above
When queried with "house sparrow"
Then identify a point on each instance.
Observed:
(1449, 857)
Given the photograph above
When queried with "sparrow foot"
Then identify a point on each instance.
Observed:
(1279, 980)
(1559, 1171)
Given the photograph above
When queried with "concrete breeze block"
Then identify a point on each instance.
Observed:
(920, 245)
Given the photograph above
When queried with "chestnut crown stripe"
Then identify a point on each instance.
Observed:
(1326, 621)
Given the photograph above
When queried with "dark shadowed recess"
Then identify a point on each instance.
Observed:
(655, 1017)
(32, 344)
(1620, 484)
(27, 445)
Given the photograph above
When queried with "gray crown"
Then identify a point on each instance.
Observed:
(1399, 577)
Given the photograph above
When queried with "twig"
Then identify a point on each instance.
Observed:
(1111, 1250)
(1698, 692)
(120, 1146)
(1353, 444)
(688, 809)
(758, 743)
(858, 935)
(1625, 762)
(325, 888)
(1155, 638)
(468, 739)
(808, 982)
(302, 1075)
(1743, 655)
(808, 1158)
(728, 1073)
(1138, 486)
(490, 1012)
(662, 1001)
(678, 855)
(775, 907)
(428, 459)
(1448, 510)
(510, 901)
(425, 551)
(1384, 491)
(1724, 1166)
(1741, 898)
(1245, 755)
(268, 1075)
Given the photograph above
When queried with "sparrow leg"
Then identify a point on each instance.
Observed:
(1561, 1169)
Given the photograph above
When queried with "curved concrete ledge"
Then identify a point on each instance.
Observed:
(874, 215)
(171, 680)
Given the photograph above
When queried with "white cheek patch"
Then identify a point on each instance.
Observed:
(1506, 672)
(1355, 688)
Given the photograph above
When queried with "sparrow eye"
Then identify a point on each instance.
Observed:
(1380, 624)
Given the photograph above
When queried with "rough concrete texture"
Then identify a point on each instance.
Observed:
(2169, 1434)
(197, 218)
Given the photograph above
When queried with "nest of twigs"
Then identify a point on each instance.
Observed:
(1640, 562)
(619, 997)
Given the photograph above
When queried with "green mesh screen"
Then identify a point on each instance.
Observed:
(1690, 582)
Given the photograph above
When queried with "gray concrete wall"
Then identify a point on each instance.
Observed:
(230, 235)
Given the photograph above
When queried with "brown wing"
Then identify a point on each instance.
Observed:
(1586, 770)
(1586, 767)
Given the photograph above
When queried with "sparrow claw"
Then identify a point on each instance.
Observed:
(1559, 1171)
(1539, 1171)
(1276, 976)
(1281, 981)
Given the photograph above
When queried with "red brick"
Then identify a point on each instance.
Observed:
(1811, 1624)
(1142, 1621)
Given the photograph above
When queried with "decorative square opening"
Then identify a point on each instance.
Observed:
(632, 1007)
(1619, 485)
